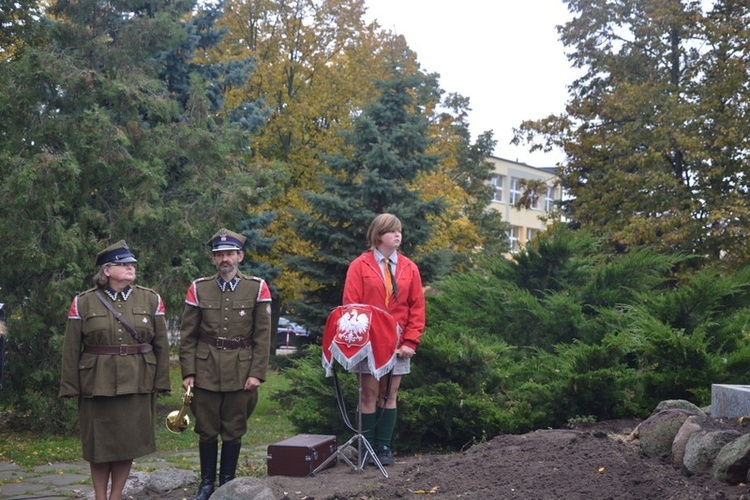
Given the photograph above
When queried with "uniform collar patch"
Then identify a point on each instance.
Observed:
(125, 293)
(231, 284)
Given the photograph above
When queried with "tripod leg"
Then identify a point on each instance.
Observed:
(371, 451)
(335, 455)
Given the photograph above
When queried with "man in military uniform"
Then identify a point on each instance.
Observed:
(225, 342)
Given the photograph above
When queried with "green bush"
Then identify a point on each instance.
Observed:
(446, 415)
(558, 332)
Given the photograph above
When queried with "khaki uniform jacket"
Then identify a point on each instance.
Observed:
(243, 313)
(90, 322)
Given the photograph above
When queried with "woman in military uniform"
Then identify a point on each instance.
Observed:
(115, 367)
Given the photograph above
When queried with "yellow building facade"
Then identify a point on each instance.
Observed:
(507, 181)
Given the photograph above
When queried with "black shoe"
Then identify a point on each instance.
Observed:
(230, 453)
(205, 492)
(384, 454)
(208, 453)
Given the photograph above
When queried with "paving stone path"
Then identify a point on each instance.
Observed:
(63, 481)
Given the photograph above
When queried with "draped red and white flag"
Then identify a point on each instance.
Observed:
(355, 332)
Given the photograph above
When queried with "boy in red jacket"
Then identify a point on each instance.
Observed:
(383, 278)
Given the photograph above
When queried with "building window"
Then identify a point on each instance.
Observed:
(531, 233)
(514, 235)
(549, 199)
(515, 190)
(534, 200)
(497, 181)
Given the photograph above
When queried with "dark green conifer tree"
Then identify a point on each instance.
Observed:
(108, 131)
(388, 145)
(473, 173)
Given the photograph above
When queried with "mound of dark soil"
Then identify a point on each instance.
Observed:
(592, 462)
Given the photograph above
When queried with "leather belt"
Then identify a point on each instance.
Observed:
(225, 343)
(118, 350)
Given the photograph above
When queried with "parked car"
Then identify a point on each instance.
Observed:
(291, 334)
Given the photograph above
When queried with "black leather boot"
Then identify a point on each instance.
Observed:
(230, 453)
(208, 454)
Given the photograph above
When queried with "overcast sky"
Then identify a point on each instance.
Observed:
(504, 55)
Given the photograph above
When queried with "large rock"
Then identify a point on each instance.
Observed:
(656, 434)
(134, 487)
(679, 404)
(732, 463)
(244, 488)
(703, 447)
(169, 479)
(692, 425)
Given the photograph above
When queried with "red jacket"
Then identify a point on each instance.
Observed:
(365, 285)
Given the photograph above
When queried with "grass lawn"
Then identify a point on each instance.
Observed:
(267, 425)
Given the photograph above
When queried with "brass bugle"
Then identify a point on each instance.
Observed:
(178, 421)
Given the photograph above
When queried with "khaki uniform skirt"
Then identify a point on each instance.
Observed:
(117, 428)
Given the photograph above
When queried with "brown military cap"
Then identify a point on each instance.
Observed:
(226, 240)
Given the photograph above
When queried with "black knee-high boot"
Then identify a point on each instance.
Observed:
(208, 455)
(230, 453)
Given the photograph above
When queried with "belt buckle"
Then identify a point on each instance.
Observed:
(220, 342)
(123, 349)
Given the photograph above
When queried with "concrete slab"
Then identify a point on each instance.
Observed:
(730, 401)
(11, 490)
(11, 475)
(7, 466)
(60, 479)
(80, 467)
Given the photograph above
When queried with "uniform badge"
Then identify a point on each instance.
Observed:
(145, 320)
(223, 234)
(242, 313)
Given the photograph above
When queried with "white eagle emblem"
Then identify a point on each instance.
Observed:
(352, 327)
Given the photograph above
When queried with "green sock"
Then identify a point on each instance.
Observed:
(378, 411)
(368, 424)
(386, 424)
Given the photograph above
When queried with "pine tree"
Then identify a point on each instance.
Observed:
(17, 21)
(255, 262)
(98, 143)
(388, 146)
(472, 172)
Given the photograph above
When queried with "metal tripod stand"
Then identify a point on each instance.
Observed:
(364, 448)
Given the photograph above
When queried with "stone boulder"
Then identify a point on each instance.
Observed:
(732, 463)
(169, 479)
(703, 447)
(696, 442)
(679, 404)
(692, 425)
(134, 486)
(656, 434)
(244, 488)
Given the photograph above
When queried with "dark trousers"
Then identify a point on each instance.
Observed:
(222, 414)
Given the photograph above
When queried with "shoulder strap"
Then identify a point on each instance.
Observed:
(118, 317)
